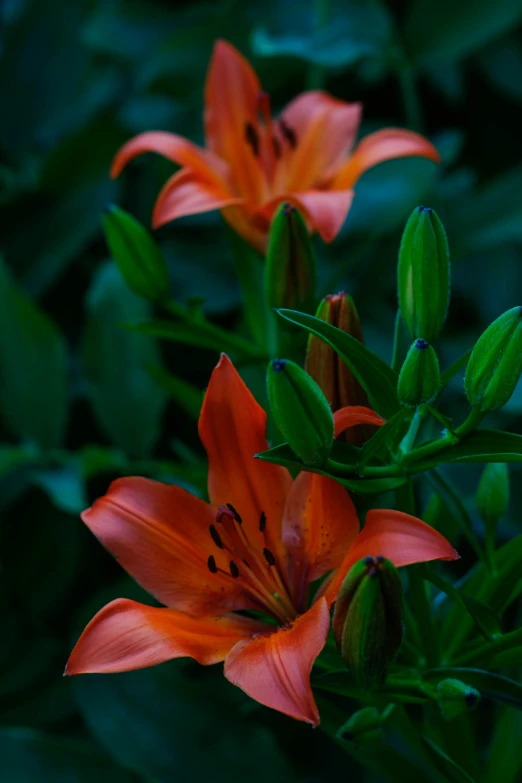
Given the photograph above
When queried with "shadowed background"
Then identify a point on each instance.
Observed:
(81, 398)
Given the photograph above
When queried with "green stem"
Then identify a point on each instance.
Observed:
(423, 613)
(447, 439)
(396, 356)
(409, 439)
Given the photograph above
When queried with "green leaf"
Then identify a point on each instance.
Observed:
(452, 499)
(504, 762)
(200, 335)
(445, 31)
(454, 368)
(485, 618)
(445, 764)
(126, 400)
(485, 445)
(29, 755)
(491, 685)
(387, 437)
(341, 683)
(362, 32)
(377, 379)
(179, 717)
(283, 455)
(33, 368)
(187, 396)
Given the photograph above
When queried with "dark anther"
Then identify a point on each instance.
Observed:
(212, 567)
(216, 538)
(235, 514)
(262, 522)
(278, 365)
(234, 570)
(252, 138)
(470, 698)
(421, 344)
(288, 133)
(277, 146)
(270, 559)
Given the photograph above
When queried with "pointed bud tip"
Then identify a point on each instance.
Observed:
(421, 344)
(425, 209)
(278, 365)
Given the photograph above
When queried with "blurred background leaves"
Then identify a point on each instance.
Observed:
(83, 398)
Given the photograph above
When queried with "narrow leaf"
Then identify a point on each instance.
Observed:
(375, 376)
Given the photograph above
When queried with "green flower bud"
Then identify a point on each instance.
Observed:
(423, 274)
(455, 698)
(300, 411)
(493, 493)
(338, 383)
(419, 378)
(495, 363)
(139, 259)
(290, 267)
(367, 621)
(363, 727)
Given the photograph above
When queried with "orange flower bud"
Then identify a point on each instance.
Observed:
(328, 370)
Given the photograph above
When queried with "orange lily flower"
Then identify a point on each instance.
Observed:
(253, 162)
(258, 545)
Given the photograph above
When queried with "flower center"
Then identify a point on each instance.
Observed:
(255, 566)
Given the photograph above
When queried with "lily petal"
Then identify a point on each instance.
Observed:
(231, 100)
(275, 668)
(324, 210)
(324, 130)
(249, 225)
(187, 193)
(232, 427)
(175, 148)
(160, 534)
(352, 415)
(319, 526)
(399, 537)
(386, 144)
(126, 635)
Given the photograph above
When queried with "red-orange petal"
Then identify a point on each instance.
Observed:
(231, 99)
(274, 668)
(232, 428)
(325, 129)
(386, 144)
(352, 415)
(160, 534)
(399, 537)
(126, 635)
(323, 210)
(175, 148)
(187, 193)
(319, 526)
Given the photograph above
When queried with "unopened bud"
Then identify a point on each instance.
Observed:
(363, 727)
(290, 267)
(423, 274)
(300, 411)
(493, 493)
(139, 259)
(495, 363)
(455, 698)
(367, 621)
(419, 378)
(338, 383)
